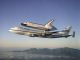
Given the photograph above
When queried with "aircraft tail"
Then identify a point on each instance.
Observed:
(49, 24)
(73, 35)
(67, 30)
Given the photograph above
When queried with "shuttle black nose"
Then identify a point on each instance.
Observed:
(23, 24)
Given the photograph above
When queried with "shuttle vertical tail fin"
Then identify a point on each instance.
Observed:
(49, 24)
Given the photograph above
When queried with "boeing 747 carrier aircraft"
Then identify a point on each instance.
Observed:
(46, 34)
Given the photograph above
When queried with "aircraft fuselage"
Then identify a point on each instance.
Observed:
(36, 26)
(46, 27)
(47, 34)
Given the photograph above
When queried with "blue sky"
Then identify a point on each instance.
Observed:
(64, 12)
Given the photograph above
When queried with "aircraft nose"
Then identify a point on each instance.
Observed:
(10, 30)
(23, 24)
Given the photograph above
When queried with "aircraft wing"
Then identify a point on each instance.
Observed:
(37, 33)
(33, 32)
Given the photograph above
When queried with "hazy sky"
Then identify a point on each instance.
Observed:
(64, 12)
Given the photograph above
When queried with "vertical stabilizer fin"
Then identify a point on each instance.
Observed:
(67, 30)
(49, 24)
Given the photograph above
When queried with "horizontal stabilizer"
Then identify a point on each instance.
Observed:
(73, 35)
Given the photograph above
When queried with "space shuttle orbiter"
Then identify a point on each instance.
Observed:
(46, 27)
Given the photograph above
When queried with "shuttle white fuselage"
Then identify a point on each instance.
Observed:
(46, 27)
